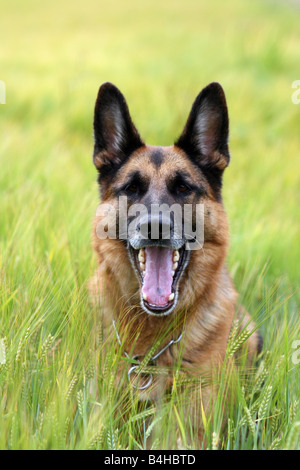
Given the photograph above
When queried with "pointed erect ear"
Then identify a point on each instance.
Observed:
(114, 132)
(205, 136)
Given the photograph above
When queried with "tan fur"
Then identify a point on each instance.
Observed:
(207, 298)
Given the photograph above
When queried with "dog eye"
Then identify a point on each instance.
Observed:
(182, 188)
(132, 188)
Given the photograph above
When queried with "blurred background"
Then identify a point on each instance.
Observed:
(53, 58)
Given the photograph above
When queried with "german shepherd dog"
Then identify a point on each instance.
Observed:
(155, 287)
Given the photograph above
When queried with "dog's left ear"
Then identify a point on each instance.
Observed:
(205, 136)
(114, 132)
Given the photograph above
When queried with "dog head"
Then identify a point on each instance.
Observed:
(163, 187)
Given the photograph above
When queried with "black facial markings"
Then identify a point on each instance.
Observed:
(214, 178)
(133, 180)
(157, 157)
(212, 175)
(182, 185)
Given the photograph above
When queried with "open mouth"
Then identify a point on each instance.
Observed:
(159, 269)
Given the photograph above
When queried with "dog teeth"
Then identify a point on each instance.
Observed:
(141, 258)
(173, 273)
(175, 266)
(171, 296)
(176, 256)
(144, 296)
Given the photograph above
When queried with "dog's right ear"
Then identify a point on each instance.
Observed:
(205, 136)
(114, 132)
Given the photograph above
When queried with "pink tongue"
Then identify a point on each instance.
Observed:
(158, 277)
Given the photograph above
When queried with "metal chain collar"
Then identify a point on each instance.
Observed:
(152, 359)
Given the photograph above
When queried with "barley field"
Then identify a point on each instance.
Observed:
(53, 58)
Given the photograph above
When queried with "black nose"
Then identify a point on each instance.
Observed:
(156, 227)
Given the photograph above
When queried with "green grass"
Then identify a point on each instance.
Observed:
(160, 54)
